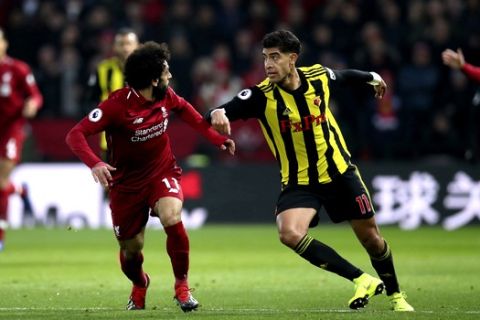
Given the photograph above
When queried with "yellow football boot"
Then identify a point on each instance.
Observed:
(366, 287)
(399, 302)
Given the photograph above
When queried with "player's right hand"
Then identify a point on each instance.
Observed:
(453, 59)
(229, 145)
(101, 173)
(220, 121)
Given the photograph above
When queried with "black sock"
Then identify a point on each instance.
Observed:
(323, 256)
(383, 264)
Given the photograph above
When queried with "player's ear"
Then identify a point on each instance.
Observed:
(155, 82)
(293, 58)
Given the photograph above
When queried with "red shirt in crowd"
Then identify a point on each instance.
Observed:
(16, 84)
(138, 145)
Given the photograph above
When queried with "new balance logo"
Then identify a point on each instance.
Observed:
(138, 121)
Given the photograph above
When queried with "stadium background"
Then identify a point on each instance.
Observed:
(423, 134)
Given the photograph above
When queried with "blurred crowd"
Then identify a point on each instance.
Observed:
(429, 109)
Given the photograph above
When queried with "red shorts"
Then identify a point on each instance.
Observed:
(11, 145)
(130, 210)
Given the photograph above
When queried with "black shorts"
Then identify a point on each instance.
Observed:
(345, 198)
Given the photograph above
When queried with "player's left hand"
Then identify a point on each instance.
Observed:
(229, 145)
(380, 89)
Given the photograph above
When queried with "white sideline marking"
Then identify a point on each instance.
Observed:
(260, 310)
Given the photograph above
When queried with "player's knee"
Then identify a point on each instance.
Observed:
(169, 210)
(170, 216)
(290, 237)
(373, 243)
(132, 249)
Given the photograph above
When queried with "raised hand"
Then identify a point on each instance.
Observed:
(453, 59)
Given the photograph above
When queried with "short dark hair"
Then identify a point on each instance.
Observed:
(125, 31)
(145, 64)
(284, 40)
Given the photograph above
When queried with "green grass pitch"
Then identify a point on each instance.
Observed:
(238, 272)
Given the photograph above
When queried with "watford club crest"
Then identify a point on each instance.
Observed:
(317, 101)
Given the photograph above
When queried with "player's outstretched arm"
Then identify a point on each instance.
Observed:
(378, 84)
(356, 77)
(191, 116)
(456, 60)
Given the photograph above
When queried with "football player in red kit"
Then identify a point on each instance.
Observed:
(19, 100)
(141, 174)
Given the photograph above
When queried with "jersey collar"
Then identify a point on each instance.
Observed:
(303, 84)
(141, 102)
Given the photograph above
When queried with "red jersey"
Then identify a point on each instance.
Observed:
(472, 72)
(16, 84)
(137, 142)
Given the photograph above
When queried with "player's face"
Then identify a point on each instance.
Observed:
(166, 75)
(277, 65)
(124, 45)
(161, 88)
(3, 46)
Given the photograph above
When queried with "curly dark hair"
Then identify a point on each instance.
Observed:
(145, 64)
(284, 40)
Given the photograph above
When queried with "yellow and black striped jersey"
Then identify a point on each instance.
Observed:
(298, 125)
(108, 78)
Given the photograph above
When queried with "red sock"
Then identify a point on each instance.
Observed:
(4, 195)
(178, 248)
(132, 268)
(3, 212)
